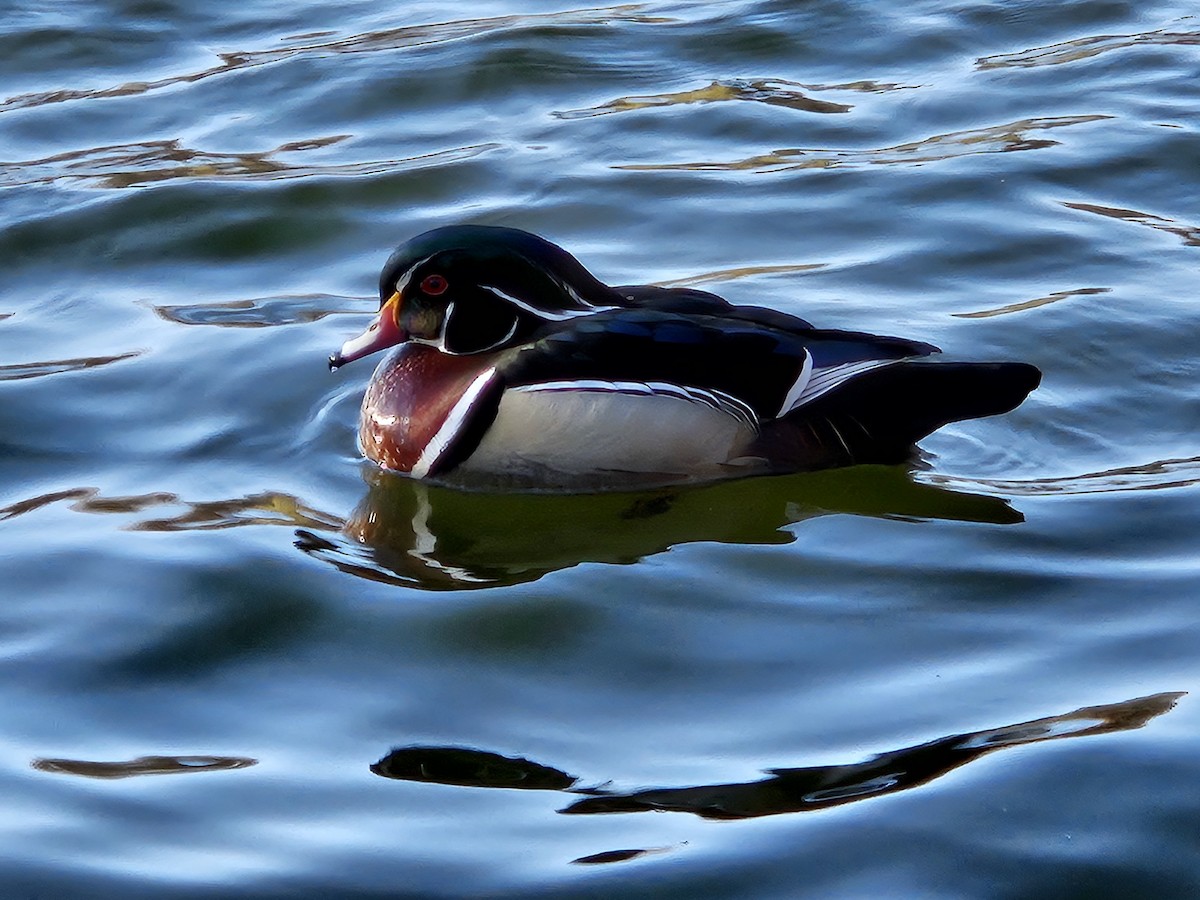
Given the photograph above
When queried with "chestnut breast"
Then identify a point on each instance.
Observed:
(419, 401)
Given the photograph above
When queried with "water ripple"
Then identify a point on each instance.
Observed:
(1153, 476)
(367, 42)
(260, 312)
(1190, 234)
(266, 508)
(128, 165)
(771, 91)
(19, 371)
(1031, 304)
(954, 145)
(740, 272)
(1084, 48)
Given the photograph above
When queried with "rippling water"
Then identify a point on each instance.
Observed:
(963, 677)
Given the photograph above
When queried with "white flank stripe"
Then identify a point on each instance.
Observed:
(585, 384)
(453, 424)
(560, 316)
(797, 389)
(739, 408)
(717, 400)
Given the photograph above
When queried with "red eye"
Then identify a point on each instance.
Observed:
(434, 285)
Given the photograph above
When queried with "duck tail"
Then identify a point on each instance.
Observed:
(878, 416)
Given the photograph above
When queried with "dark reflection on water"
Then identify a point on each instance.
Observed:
(1004, 138)
(143, 765)
(786, 790)
(439, 538)
(612, 856)
(470, 768)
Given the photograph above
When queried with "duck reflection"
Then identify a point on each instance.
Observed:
(785, 790)
(438, 538)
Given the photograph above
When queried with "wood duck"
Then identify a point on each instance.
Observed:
(513, 364)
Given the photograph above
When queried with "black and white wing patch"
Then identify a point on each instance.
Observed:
(815, 382)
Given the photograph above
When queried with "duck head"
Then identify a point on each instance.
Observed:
(474, 288)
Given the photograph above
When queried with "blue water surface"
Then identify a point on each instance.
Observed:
(238, 661)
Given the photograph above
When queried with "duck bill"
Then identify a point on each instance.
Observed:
(384, 332)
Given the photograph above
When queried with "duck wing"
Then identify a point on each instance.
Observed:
(738, 355)
(817, 396)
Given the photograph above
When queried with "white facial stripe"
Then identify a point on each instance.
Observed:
(797, 388)
(559, 316)
(406, 277)
(441, 338)
(718, 400)
(453, 424)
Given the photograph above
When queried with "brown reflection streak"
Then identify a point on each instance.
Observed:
(368, 42)
(996, 139)
(125, 165)
(24, 506)
(1154, 476)
(741, 272)
(785, 790)
(774, 92)
(1190, 234)
(20, 371)
(1084, 48)
(1031, 304)
(256, 509)
(143, 765)
(261, 312)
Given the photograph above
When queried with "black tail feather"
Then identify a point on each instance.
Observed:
(878, 416)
